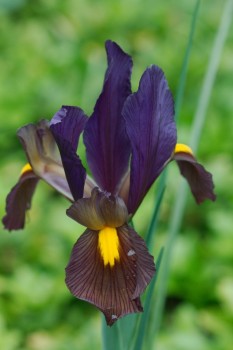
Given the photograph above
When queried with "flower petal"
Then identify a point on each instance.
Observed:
(200, 180)
(101, 209)
(149, 117)
(66, 126)
(114, 289)
(19, 200)
(105, 138)
(43, 155)
(86, 211)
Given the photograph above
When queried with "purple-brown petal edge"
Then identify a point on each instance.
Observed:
(199, 180)
(66, 126)
(19, 200)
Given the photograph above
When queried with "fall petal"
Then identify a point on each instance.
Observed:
(199, 180)
(112, 287)
(19, 200)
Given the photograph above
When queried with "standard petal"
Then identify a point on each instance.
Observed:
(19, 200)
(149, 117)
(199, 180)
(113, 288)
(107, 144)
(43, 155)
(66, 127)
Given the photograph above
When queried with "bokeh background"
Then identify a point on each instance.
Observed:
(52, 53)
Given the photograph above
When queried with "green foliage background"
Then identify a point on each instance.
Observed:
(52, 53)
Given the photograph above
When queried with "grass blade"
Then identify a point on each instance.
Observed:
(181, 86)
(141, 331)
(198, 123)
(155, 215)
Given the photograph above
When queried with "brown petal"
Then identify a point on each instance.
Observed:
(43, 155)
(19, 201)
(200, 180)
(115, 289)
(86, 211)
(113, 210)
(100, 210)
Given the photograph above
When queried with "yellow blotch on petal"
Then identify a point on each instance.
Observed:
(182, 148)
(27, 167)
(109, 245)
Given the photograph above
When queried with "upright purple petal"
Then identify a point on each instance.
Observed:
(149, 117)
(66, 126)
(19, 200)
(105, 138)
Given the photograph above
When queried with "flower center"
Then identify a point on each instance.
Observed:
(109, 245)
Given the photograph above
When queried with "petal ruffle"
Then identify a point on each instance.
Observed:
(43, 155)
(115, 290)
(199, 180)
(19, 200)
(107, 144)
(149, 117)
(66, 126)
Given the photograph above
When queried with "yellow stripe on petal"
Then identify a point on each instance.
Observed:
(182, 148)
(27, 167)
(109, 245)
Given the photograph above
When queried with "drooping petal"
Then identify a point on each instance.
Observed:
(43, 155)
(107, 144)
(114, 288)
(149, 117)
(101, 209)
(19, 200)
(199, 180)
(66, 126)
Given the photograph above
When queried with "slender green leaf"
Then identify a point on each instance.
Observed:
(199, 119)
(112, 338)
(141, 331)
(154, 220)
(183, 76)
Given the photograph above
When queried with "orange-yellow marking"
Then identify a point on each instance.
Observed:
(27, 167)
(109, 245)
(182, 148)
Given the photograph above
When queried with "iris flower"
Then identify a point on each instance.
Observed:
(129, 139)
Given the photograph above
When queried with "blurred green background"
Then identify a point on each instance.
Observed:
(52, 53)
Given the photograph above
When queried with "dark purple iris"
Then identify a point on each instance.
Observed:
(129, 139)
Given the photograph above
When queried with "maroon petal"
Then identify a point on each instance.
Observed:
(105, 138)
(116, 289)
(66, 126)
(149, 116)
(199, 180)
(19, 200)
